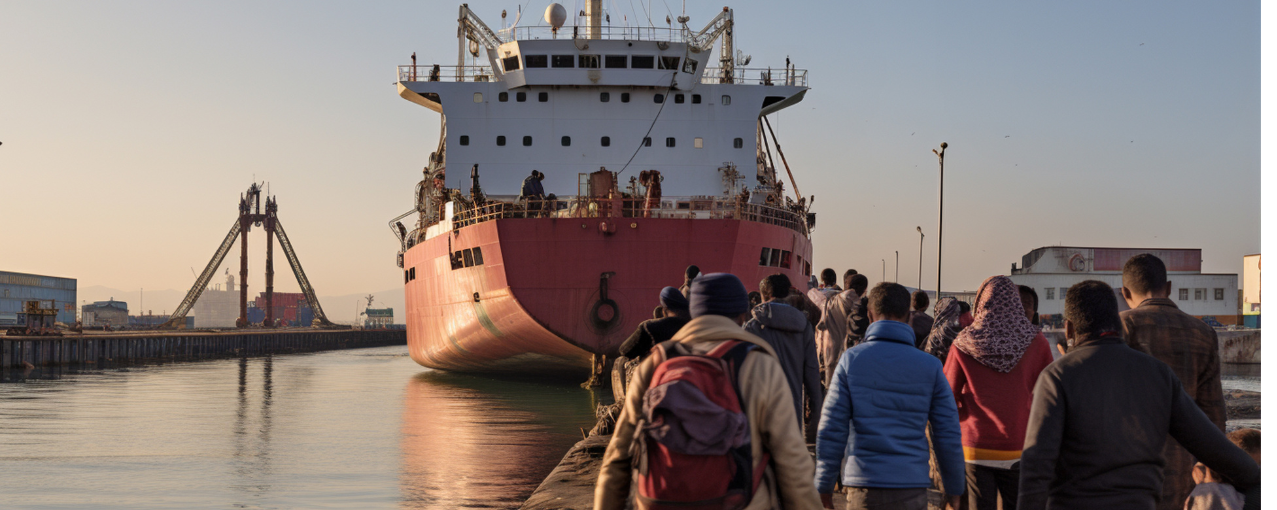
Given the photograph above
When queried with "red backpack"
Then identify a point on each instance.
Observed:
(692, 441)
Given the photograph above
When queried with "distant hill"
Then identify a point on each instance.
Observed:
(340, 309)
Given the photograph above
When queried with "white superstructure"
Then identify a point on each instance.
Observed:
(570, 100)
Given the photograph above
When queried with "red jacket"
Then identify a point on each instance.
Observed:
(993, 407)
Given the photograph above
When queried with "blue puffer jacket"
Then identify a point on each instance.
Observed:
(873, 425)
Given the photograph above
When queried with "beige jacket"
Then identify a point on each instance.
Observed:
(831, 332)
(789, 480)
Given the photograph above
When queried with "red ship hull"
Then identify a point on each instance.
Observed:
(537, 302)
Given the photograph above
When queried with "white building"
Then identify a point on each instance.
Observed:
(217, 308)
(1051, 270)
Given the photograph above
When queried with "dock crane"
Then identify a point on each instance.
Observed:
(250, 214)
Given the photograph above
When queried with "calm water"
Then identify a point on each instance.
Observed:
(349, 429)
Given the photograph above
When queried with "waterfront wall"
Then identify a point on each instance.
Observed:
(19, 352)
(1238, 346)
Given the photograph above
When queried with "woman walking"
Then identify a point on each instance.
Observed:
(992, 368)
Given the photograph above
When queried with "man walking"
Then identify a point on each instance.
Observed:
(791, 336)
(1101, 415)
(719, 305)
(1191, 348)
(831, 331)
(858, 315)
(873, 429)
(918, 318)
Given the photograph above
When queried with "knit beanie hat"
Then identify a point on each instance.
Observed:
(672, 299)
(718, 294)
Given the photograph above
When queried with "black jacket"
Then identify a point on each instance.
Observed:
(857, 322)
(651, 332)
(1100, 417)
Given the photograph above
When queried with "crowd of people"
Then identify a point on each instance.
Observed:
(729, 388)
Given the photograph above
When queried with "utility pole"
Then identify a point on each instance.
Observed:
(897, 279)
(920, 236)
(884, 270)
(940, 235)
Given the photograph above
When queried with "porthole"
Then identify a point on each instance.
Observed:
(604, 97)
(698, 143)
(625, 97)
(527, 141)
(503, 97)
(606, 141)
(678, 99)
(659, 98)
(567, 141)
(647, 141)
(465, 140)
(669, 142)
(738, 143)
(543, 97)
(696, 99)
(478, 97)
(501, 141)
(523, 96)
(726, 100)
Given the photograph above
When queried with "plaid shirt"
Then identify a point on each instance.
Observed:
(1191, 349)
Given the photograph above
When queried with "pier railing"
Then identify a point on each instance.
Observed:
(688, 207)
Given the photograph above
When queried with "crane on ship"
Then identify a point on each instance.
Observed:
(250, 214)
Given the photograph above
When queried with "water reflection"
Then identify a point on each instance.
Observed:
(469, 442)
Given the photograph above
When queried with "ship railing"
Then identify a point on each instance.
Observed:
(445, 73)
(756, 76)
(524, 33)
(687, 207)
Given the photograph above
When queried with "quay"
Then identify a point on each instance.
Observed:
(17, 352)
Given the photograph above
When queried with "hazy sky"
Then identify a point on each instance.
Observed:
(130, 128)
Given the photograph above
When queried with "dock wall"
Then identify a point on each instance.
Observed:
(1236, 346)
(19, 352)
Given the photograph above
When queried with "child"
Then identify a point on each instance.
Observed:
(1213, 491)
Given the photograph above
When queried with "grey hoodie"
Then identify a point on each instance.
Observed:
(786, 329)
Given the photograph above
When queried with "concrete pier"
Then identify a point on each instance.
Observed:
(18, 352)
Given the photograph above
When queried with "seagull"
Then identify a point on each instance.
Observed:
(1007, 136)
(1141, 44)
(911, 134)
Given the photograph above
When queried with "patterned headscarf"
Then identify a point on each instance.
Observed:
(1001, 333)
(944, 329)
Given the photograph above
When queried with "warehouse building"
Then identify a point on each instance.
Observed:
(102, 313)
(17, 288)
(1051, 270)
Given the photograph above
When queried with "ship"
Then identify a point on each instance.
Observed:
(653, 152)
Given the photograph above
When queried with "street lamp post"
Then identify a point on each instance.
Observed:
(884, 270)
(920, 236)
(897, 279)
(940, 234)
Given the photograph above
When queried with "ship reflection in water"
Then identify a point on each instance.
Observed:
(353, 429)
(469, 441)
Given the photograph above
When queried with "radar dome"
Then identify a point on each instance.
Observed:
(556, 15)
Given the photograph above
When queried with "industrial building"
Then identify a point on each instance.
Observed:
(378, 317)
(1250, 290)
(102, 313)
(217, 307)
(1051, 270)
(17, 288)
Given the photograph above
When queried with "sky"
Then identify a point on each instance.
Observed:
(130, 128)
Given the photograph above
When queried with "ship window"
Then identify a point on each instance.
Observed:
(588, 62)
(696, 99)
(567, 141)
(501, 141)
(647, 141)
(669, 63)
(738, 143)
(465, 139)
(478, 256)
(412, 273)
(561, 60)
(684, 206)
(1183, 294)
(689, 66)
(614, 61)
(764, 256)
(698, 143)
(625, 97)
(468, 257)
(457, 261)
(543, 97)
(669, 142)
(606, 141)
(478, 97)
(510, 63)
(604, 97)
(775, 261)
(520, 96)
(527, 141)
(678, 99)
(1199, 294)
(405, 276)
(659, 98)
(642, 62)
(503, 97)
(534, 60)
(784, 259)
(726, 100)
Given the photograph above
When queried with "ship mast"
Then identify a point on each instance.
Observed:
(594, 19)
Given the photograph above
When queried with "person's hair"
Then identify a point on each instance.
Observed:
(964, 307)
(850, 272)
(691, 272)
(1144, 274)
(754, 299)
(1092, 308)
(1028, 292)
(828, 276)
(775, 286)
(859, 283)
(535, 173)
(659, 312)
(1246, 439)
(1029, 298)
(920, 300)
(889, 300)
